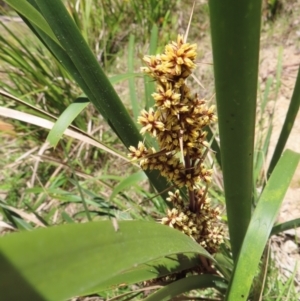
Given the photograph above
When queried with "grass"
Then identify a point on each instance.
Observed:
(76, 181)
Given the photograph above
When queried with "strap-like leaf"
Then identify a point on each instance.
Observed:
(261, 225)
(235, 34)
(76, 259)
(187, 284)
(65, 119)
(288, 124)
(30, 13)
(295, 223)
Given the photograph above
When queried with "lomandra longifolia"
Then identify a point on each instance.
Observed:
(177, 122)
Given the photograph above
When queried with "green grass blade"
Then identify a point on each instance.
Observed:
(153, 40)
(75, 259)
(235, 32)
(148, 82)
(266, 95)
(97, 86)
(278, 73)
(214, 145)
(21, 224)
(286, 289)
(14, 52)
(37, 215)
(184, 285)
(288, 124)
(30, 13)
(121, 77)
(261, 155)
(224, 264)
(262, 141)
(261, 225)
(67, 218)
(292, 224)
(65, 119)
(129, 181)
(133, 97)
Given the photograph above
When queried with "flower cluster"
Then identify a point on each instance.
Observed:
(201, 226)
(177, 121)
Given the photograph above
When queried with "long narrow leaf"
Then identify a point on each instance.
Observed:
(65, 119)
(148, 83)
(29, 12)
(129, 181)
(261, 225)
(133, 97)
(235, 32)
(295, 223)
(187, 284)
(75, 259)
(288, 124)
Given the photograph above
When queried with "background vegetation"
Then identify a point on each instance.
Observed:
(87, 176)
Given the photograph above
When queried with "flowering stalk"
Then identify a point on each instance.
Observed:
(177, 122)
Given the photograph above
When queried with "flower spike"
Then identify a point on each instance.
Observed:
(178, 121)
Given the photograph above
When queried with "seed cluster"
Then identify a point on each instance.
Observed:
(177, 121)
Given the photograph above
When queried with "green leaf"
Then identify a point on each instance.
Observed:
(288, 124)
(187, 284)
(66, 217)
(129, 181)
(77, 259)
(224, 264)
(148, 82)
(133, 97)
(34, 16)
(214, 145)
(121, 77)
(65, 119)
(295, 223)
(261, 225)
(235, 34)
(262, 154)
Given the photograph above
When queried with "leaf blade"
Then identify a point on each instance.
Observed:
(95, 250)
(235, 35)
(186, 284)
(261, 225)
(65, 119)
